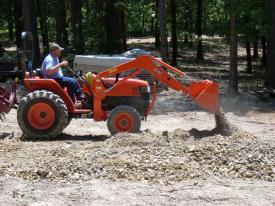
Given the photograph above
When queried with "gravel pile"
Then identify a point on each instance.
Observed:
(160, 158)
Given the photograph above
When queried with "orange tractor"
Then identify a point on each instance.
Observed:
(121, 101)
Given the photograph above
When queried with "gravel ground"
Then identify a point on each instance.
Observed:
(166, 159)
(168, 155)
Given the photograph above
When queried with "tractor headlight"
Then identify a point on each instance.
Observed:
(145, 89)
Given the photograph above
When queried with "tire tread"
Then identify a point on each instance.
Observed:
(61, 109)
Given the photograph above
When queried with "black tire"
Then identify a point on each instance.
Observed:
(69, 122)
(129, 112)
(57, 105)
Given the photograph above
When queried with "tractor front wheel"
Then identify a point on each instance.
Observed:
(124, 119)
(42, 115)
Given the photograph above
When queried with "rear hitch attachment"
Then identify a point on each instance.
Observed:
(7, 101)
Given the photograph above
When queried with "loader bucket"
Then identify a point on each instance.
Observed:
(206, 95)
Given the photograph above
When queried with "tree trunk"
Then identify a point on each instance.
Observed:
(114, 24)
(248, 57)
(17, 12)
(77, 26)
(270, 61)
(174, 33)
(30, 25)
(190, 14)
(163, 31)
(61, 23)
(100, 23)
(233, 73)
(124, 36)
(255, 50)
(42, 10)
(199, 29)
(186, 26)
(88, 11)
(1, 49)
(152, 29)
(10, 21)
(157, 35)
(143, 20)
(263, 40)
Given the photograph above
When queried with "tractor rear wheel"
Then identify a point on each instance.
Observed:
(124, 119)
(68, 122)
(42, 114)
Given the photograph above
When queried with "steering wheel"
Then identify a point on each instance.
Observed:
(77, 76)
(117, 77)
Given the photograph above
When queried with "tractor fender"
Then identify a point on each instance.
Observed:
(34, 84)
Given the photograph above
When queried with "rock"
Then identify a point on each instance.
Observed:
(42, 173)
(148, 131)
(64, 172)
(179, 133)
(269, 179)
(192, 148)
(76, 176)
(165, 133)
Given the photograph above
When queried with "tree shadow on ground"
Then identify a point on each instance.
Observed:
(93, 138)
(67, 137)
(6, 135)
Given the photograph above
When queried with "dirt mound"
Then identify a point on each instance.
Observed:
(223, 127)
(163, 158)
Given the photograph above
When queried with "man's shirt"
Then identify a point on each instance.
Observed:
(48, 63)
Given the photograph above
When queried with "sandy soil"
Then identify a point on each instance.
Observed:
(102, 192)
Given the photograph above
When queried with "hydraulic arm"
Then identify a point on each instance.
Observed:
(204, 93)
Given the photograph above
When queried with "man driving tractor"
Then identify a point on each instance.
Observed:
(51, 68)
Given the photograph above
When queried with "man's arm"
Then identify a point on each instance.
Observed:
(52, 70)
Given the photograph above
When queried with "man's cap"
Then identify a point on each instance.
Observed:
(54, 47)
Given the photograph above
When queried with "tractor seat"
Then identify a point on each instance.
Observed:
(38, 72)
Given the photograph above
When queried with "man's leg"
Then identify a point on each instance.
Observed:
(72, 85)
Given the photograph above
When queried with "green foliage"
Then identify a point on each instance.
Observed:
(251, 19)
(141, 16)
(216, 18)
(9, 57)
